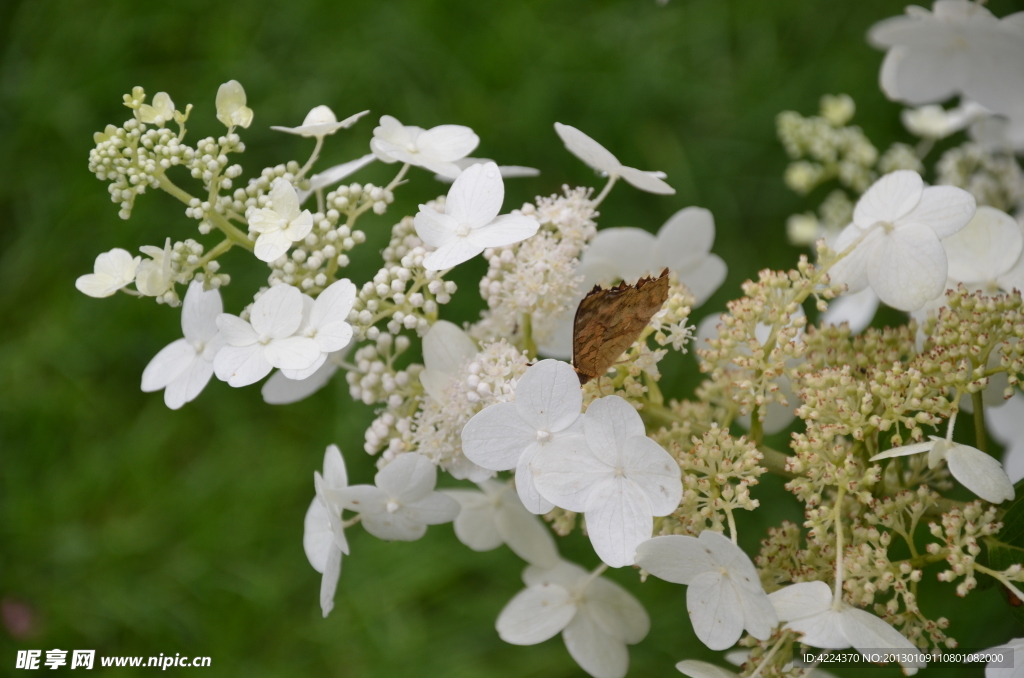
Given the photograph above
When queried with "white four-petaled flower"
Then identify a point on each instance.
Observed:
(897, 229)
(601, 159)
(494, 516)
(323, 536)
(184, 367)
(436, 149)
(614, 474)
(596, 617)
(470, 222)
(402, 502)
(281, 224)
(159, 113)
(266, 341)
(112, 271)
(231, 108)
(504, 436)
(320, 122)
(724, 595)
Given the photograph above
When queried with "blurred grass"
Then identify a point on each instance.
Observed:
(131, 529)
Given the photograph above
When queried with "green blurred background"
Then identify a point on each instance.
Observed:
(134, 530)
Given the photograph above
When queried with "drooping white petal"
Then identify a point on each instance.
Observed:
(715, 610)
(986, 248)
(333, 175)
(166, 365)
(280, 390)
(980, 473)
(278, 312)
(801, 600)
(536, 614)
(944, 209)
(609, 422)
(675, 558)
(525, 534)
(616, 611)
(618, 520)
(476, 195)
(409, 478)
(291, 353)
(596, 652)
(526, 480)
(654, 472)
(454, 252)
(857, 309)
(865, 630)
(645, 181)
(241, 365)
(909, 268)
(496, 436)
(698, 669)
(475, 526)
(904, 450)
(317, 535)
(567, 472)
(329, 580)
(506, 229)
(889, 198)
(187, 386)
(548, 397)
(588, 150)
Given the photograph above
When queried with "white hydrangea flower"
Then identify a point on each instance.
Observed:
(494, 516)
(231, 108)
(266, 341)
(470, 222)
(957, 48)
(897, 226)
(601, 159)
(808, 608)
(183, 367)
(614, 474)
(506, 171)
(320, 122)
(281, 224)
(724, 595)
(511, 435)
(280, 390)
(402, 501)
(159, 113)
(154, 277)
(333, 175)
(1006, 426)
(596, 617)
(987, 253)
(323, 535)
(1016, 669)
(112, 271)
(325, 322)
(436, 149)
(978, 471)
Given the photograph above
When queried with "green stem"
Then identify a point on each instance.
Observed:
(756, 426)
(398, 178)
(218, 220)
(528, 343)
(980, 439)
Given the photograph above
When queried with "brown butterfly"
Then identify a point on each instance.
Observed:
(608, 321)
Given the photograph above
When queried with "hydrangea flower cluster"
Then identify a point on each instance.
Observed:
(654, 479)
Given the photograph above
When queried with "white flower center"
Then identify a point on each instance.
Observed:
(199, 347)
(887, 226)
(619, 471)
(264, 339)
(411, 147)
(462, 230)
(392, 506)
(543, 436)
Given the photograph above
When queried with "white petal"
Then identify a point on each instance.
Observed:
(526, 485)
(851, 270)
(980, 473)
(645, 181)
(266, 221)
(618, 520)
(889, 198)
(527, 536)
(283, 199)
(588, 150)
(270, 246)
(824, 630)
(401, 525)
(291, 353)
(335, 476)
(654, 472)
(241, 365)
(447, 143)
(335, 174)
(567, 472)
(476, 196)
(496, 436)
(535, 614)
(116, 264)
(857, 309)
(199, 313)
(741, 569)
(686, 237)
(365, 499)
(675, 558)
(801, 600)
(865, 630)
(299, 227)
(333, 304)
(235, 331)
(166, 365)
(904, 450)
(507, 229)
(433, 228)
(475, 525)
(334, 337)
(434, 509)
(187, 386)
(317, 535)
(329, 580)
(596, 652)
(410, 477)
(698, 669)
(280, 390)
(628, 252)
(944, 209)
(704, 279)
(565, 574)
(98, 286)
(715, 610)
(759, 618)
(451, 254)
(549, 397)
(616, 611)
(609, 423)
(278, 312)
(446, 347)
(986, 248)
(909, 268)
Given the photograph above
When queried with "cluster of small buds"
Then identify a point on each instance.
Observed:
(784, 560)
(831, 346)
(489, 377)
(718, 471)
(537, 278)
(824, 461)
(377, 380)
(900, 157)
(563, 522)
(994, 179)
(832, 150)
(355, 199)
(961, 529)
(210, 163)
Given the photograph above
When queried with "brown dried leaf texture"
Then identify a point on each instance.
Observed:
(609, 321)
